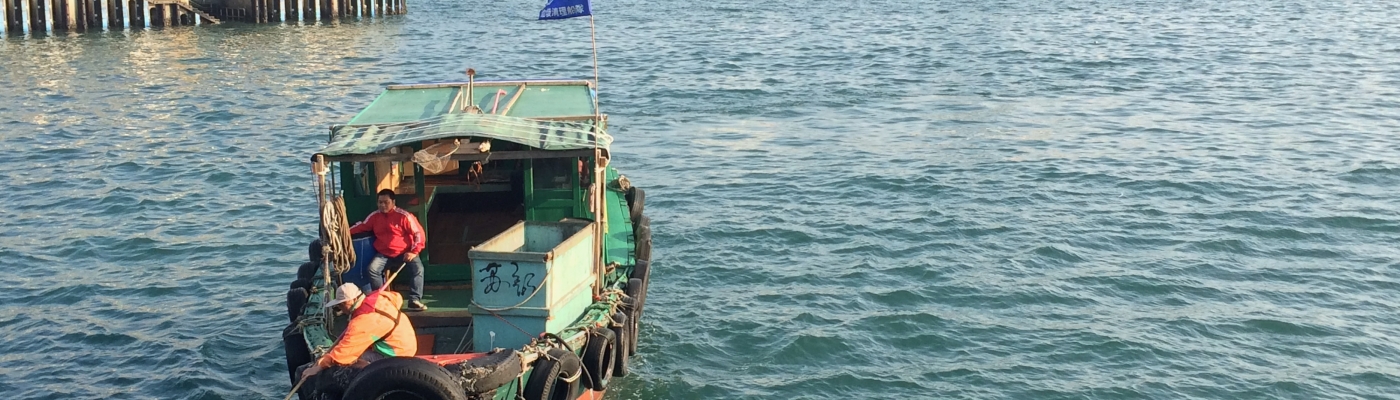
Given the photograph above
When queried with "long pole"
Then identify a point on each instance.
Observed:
(593, 33)
(597, 200)
(4, 17)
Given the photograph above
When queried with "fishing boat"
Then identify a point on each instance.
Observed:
(537, 256)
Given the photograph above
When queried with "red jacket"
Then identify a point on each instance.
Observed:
(395, 232)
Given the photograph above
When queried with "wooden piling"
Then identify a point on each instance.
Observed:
(4, 17)
(24, 15)
(71, 16)
(48, 15)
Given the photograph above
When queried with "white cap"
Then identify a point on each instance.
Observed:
(346, 292)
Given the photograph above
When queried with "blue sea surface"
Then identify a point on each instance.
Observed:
(1068, 199)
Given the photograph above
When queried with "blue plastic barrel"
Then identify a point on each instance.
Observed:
(364, 253)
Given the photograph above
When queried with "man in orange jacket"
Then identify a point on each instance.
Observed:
(377, 330)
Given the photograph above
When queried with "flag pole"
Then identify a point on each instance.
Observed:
(593, 33)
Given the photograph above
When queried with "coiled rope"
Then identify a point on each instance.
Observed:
(337, 247)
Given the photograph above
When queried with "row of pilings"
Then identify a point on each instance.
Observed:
(305, 10)
(36, 16)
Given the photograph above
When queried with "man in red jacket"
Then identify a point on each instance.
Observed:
(399, 238)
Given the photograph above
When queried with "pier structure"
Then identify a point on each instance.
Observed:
(42, 16)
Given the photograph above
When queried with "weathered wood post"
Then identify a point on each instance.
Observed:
(48, 16)
(24, 15)
(71, 15)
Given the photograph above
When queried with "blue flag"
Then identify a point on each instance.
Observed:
(561, 9)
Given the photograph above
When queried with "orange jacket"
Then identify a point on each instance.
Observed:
(372, 328)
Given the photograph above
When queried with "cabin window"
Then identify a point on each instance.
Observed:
(554, 173)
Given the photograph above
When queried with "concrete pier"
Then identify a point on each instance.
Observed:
(47, 16)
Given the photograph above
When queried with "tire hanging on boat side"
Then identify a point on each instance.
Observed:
(484, 374)
(636, 203)
(555, 376)
(598, 358)
(635, 292)
(621, 329)
(306, 275)
(642, 237)
(418, 377)
(294, 344)
(296, 301)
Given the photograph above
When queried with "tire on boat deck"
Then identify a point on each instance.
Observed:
(636, 203)
(484, 374)
(598, 357)
(621, 329)
(294, 344)
(418, 377)
(555, 376)
(296, 301)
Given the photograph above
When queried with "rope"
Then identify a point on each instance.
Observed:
(337, 245)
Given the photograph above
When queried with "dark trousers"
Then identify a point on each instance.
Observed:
(413, 269)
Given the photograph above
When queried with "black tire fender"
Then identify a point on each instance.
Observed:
(642, 271)
(555, 376)
(636, 203)
(636, 291)
(296, 301)
(294, 344)
(306, 275)
(598, 358)
(417, 376)
(313, 251)
(634, 298)
(484, 374)
(621, 329)
(642, 239)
